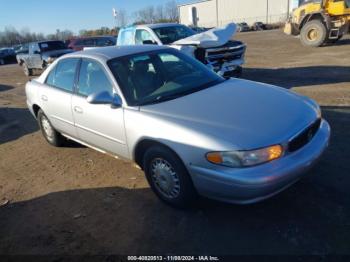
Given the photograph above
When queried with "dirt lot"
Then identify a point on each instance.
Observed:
(74, 200)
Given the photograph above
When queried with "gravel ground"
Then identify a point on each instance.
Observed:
(74, 200)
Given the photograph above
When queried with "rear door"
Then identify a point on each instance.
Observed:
(56, 97)
(100, 126)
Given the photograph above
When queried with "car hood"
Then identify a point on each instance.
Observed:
(245, 114)
(57, 53)
(212, 38)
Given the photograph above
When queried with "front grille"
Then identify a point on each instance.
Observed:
(304, 137)
(230, 51)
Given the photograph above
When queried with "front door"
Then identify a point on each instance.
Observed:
(100, 126)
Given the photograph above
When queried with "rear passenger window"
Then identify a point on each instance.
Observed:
(89, 42)
(63, 75)
(92, 78)
(50, 80)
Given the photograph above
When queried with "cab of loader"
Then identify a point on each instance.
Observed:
(320, 22)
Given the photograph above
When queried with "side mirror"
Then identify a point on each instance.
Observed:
(105, 97)
(148, 42)
(36, 52)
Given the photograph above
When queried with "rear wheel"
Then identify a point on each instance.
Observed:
(27, 71)
(168, 177)
(313, 33)
(51, 135)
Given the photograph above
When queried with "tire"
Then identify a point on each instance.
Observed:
(168, 177)
(51, 135)
(313, 33)
(2, 61)
(27, 71)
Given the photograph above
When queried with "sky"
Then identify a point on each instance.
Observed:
(45, 16)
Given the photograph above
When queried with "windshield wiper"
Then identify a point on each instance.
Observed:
(160, 99)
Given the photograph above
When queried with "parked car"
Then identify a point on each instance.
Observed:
(214, 48)
(20, 50)
(7, 55)
(243, 27)
(41, 54)
(78, 44)
(258, 26)
(190, 130)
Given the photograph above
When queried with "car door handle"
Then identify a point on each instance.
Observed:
(78, 109)
(44, 98)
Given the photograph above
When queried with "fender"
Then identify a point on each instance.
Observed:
(315, 15)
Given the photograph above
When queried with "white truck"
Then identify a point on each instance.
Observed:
(214, 48)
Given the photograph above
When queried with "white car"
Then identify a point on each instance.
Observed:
(215, 48)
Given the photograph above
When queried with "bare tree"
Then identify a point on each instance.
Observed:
(146, 14)
(63, 35)
(172, 11)
(160, 14)
(122, 18)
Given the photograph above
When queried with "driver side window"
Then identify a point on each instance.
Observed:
(92, 78)
(142, 35)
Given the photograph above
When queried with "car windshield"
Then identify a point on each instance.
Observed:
(51, 45)
(171, 34)
(158, 76)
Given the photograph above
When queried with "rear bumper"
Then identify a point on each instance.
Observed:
(249, 185)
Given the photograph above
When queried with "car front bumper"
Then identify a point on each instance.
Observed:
(253, 184)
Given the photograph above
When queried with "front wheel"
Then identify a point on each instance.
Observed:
(51, 135)
(27, 71)
(168, 177)
(313, 33)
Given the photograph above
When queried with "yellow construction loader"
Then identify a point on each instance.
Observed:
(319, 22)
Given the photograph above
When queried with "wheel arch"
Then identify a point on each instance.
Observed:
(36, 109)
(145, 143)
(315, 16)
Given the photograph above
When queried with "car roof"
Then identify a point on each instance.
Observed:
(107, 53)
(92, 37)
(160, 25)
(45, 41)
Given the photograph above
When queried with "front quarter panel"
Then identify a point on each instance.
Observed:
(189, 144)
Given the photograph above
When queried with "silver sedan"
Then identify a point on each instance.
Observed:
(191, 131)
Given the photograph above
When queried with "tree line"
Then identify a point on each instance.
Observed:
(167, 12)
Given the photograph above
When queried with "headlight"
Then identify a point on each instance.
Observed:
(245, 158)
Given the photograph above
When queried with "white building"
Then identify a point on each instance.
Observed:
(211, 13)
